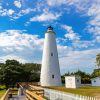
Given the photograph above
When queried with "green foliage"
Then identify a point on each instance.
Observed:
(32, 72)
(63, 79)
(12, 72)
(95, 73)
(98, 60)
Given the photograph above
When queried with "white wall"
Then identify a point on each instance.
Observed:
(50, 64)
(72, 81)
(95, 81)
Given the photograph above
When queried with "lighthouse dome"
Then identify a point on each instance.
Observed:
(50, 30)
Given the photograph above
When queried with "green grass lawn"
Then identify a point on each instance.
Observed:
(2, 91)
(86, 91)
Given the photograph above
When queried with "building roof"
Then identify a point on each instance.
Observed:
(73, 76)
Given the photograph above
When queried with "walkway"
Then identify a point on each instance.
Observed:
(22, 97)
(18, 97)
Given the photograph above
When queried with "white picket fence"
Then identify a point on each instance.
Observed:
(59, 95)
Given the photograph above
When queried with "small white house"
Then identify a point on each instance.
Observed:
(72, 81)
(95, 81)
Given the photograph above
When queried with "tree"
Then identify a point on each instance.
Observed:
(95, 73)
(98, 60)
(33, 70)
(11, 73)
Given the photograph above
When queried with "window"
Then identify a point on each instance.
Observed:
(51, 54)
(94, 81)
(77, 80)
(52, 76)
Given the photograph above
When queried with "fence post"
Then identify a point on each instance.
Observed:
(76, 97)
(80, 97)
(54, 95)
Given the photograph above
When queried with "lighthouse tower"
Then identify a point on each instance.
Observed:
(50, 72)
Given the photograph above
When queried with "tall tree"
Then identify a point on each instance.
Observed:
(11, 73)
(98, 60)
(33, 70)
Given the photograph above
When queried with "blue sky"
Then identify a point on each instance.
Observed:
(76, 23)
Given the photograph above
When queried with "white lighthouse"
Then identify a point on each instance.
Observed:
(50, 71)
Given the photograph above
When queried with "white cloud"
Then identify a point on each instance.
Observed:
(6, 12)
(14, 14)
(27, 11)
(3, 12)
(83, 44)
(46, 16)
(55, 2)
(10, 12)
(70, 34)
(11, 57)
(19, 38)
(90, 8)
(97, 39)
(94, 23)
(83, 60)
(79, 4)
(18, 44)
(17, 4)
(75, 39)
(23, 12)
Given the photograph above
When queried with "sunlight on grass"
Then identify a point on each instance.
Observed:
(2, 90)
(86, 91)
(2, 93)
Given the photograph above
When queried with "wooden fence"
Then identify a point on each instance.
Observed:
(5, 96)
(33, 92)
(9, 93)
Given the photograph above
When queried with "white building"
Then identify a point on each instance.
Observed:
(95, 81)
(72, 81)
(50, 71)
